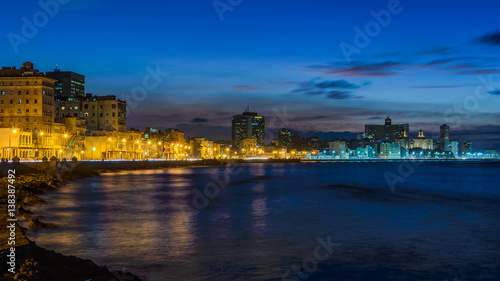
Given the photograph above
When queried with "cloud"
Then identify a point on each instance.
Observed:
(461, 66)
(339, 95)
(480, 71)
(244, 88)
(490, 39)
(199, 120)
(495, 92)
(332, 89)
(435, 62)
(442, 86)
(439, 50)
(342, 84)
(357, 69)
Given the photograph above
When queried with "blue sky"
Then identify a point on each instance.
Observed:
(423, 67)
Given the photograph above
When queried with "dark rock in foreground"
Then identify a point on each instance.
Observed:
(37, 264)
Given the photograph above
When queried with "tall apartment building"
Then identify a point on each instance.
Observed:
(444, 140)
(285, 138)
(101, 113)
(69, 84)
(248, 124)
(388, 131)
(27, 109)
(466, 148)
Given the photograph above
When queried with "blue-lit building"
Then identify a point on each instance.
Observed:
(248, 124)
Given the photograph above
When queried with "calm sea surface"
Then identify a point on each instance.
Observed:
(441, 223)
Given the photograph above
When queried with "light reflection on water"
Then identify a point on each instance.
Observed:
(436, 226)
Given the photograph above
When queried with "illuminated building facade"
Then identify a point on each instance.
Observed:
(102, 113)
(285, 138)
(248, 147)
(390, 150)
(248, 124)
(27, 110)
(69, 84)
(422, 142)
(466, 148)
(388, 131)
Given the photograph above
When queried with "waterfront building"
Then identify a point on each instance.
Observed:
(466, 148)
(390, 150)
(490, 153)
(338, 149)
(248, 147)
(102, 113)
(202, 148)
(69, 84)
(27, 111)
(248, 124)
(224, 148)
(388, 131)
(422, 142)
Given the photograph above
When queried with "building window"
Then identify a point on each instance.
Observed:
(19, 101)
(113, 106)
(3, 93)
(27, 110)
(27, 101)
(93, 114)
(86, 106)
(27, 92)
(11, 101)
(19, 93)
(36, 101)
(1, 102)
(36, 110)
(76, 107)
(101, 114)
(19, 111)
(113, 114)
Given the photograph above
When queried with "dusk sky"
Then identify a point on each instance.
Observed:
(433, 62)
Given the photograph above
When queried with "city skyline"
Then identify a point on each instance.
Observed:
(412, 70)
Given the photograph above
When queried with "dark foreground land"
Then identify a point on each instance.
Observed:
(33, 263)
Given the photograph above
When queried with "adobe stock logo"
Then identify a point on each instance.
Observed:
(222, 7)
(29, 30)
(372, 29)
